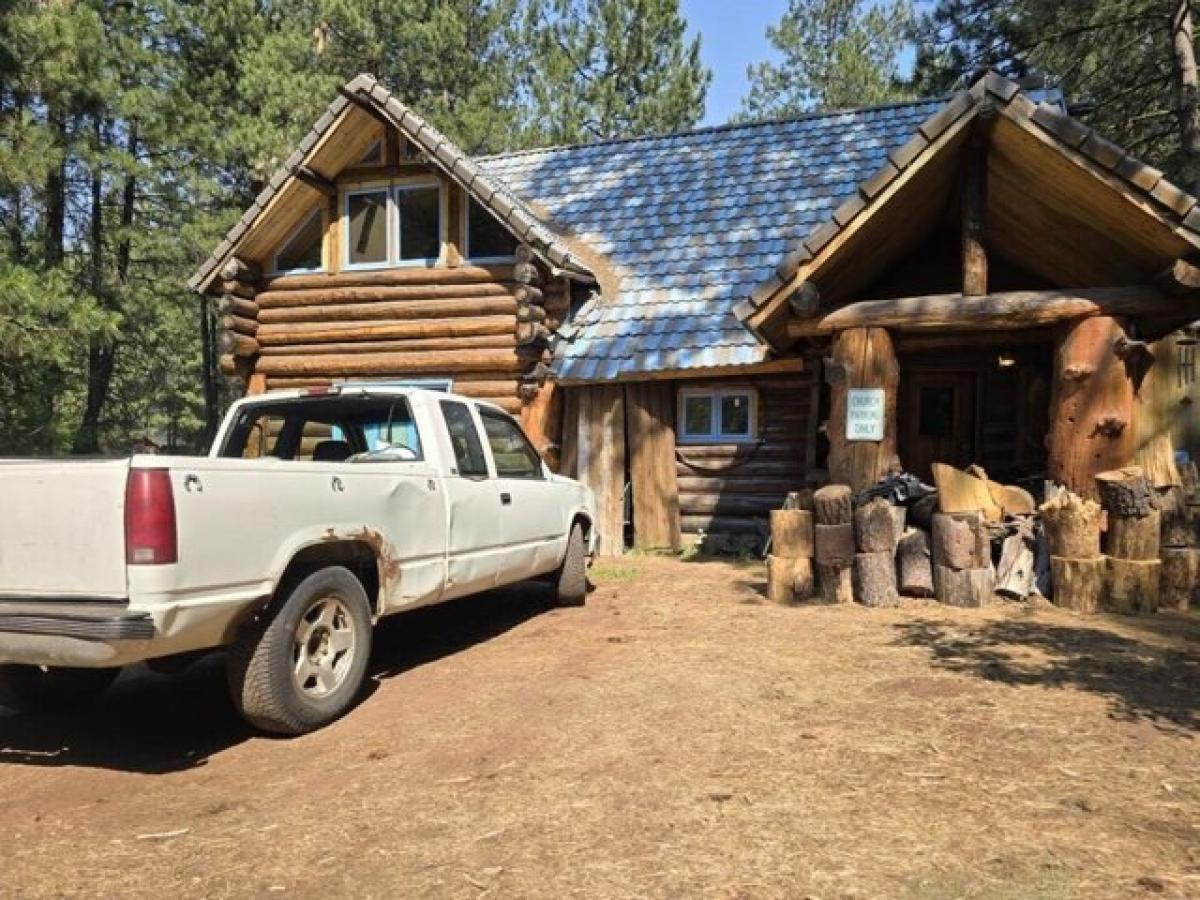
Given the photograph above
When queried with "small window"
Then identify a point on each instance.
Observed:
(301, 252)
(717, 416)
(367, 215)
(374, 154)
(511, 452)
(486, 237)
(464, 438)
(419, 212)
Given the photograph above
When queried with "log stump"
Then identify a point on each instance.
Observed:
(875, 527)
(1180, 576)
(1134, 537)
(835, 545)
(837, 585)
(1078, 584)
(960, 541)
(1132, 587)
(792, 533)
(964, 587)
(1072, 526)
(915, 565)
(833, 505)
(1125, 492)
(789, 580)
(875, 579)
(1177, 528)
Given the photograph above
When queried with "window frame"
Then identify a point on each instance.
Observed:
(276, 270)
(714, 436)
(476, 424)
(499, 415)
(416, 183)
(466, 234)
(369, 187)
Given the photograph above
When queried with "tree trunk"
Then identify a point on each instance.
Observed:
(961, 541)
(833, 504)
(790, 580)
(875, 527)
(964, 587)
(1132, 586)
(837, 585)
(835, 545)
(53, 246)
(1131, 537)
(862, 358)
(1125, 492)
(1176, 522)
(1078, 584)
(792, 533)
(1072, 526)
(1187, 80)
(208, 373)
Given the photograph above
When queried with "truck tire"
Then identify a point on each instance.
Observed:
(571, 584)
(35, 689)
(300, 664)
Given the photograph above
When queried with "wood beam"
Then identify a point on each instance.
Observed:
(993, 312)
(1181, 277)
(974, 205)
(805, 301)
(861, 358)
(316, 181)
(770, 367)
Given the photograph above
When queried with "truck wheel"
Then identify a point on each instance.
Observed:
(300, 664)
(36, 689)
(571, 584)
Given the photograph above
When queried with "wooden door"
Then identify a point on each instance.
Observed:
(937, 420)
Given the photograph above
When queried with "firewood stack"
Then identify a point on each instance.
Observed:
(834, 545)
(790, 567)
(238, 310)
(1132, 540)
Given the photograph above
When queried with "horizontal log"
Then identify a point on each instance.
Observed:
(730, 504)
(398, 364)
(346, 332)
(275, 299)
(991, 312)
(691, 484)
(238, 288)
(448, 307)
(723, 524)
(495, 341)
(241, 325)
(481, 388)
(229, 304)
(1181, 277)
(530, 313)
(237, 344)
(406, 275)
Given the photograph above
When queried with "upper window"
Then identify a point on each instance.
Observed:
(464, 438)
(486, 237)
(397, 225)
(511, 452)
(718, 416)
(301, 252)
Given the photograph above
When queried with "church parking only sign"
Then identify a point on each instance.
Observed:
(864, 414)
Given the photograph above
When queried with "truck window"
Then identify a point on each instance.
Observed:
(464, 438)
(513, 455)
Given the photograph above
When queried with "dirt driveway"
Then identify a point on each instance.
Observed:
(675, 738)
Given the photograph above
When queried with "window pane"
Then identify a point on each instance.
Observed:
(420, 223)
(368, 227)
(513, 456)
(698, 415)
(464, 437)
(303, 251)
(735, 415)
(486, 237)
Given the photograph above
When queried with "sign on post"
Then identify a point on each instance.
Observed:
(864, 414)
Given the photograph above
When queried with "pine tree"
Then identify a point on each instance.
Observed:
(612, 68)
(835, 54)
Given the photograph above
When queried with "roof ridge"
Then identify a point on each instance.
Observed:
(712, 129)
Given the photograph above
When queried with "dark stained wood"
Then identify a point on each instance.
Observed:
(649, 410)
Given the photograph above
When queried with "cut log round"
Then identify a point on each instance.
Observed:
(792, 533)
(1125, 491)
(1179, 578)
(239, 270)
(789, 580)
(875, 579)
(836, 582)
(834, 544)
(236, 344)
(1072, 526)
(914, 565)
(1014, 575)
(833, 505)
(1134, 537)
(240, 324)
(970, 588)
(1078, 584)
(800, 500)
(961, 541)
(232, 305)
(875, 527)
(1132, 586)
(1177, 528)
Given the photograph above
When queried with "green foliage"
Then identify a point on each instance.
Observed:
(612, 68)
(835, 54)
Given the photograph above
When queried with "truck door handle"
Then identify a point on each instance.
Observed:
(337, 485)
(192, 483)
(506, 499)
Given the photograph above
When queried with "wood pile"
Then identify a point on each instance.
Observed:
(790, 577)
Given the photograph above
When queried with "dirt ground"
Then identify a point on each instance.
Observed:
(674, 738)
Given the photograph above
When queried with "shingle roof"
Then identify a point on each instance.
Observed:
(692, 223)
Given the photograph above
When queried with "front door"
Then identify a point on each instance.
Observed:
(937, 420)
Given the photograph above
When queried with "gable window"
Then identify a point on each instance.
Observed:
(394, 224)
(419, 214)
(367, 228)
(301, 252)
(487, 239)
(718, 416)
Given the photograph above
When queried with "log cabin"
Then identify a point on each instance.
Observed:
(696, 324)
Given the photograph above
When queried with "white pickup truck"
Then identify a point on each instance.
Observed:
(316, 513)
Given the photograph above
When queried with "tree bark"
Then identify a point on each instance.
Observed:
(964, 587)
(1072, 526)
(914, 565)
(875, 579)
(833, 505)
(1078, 584)
(1180, 575)
(1187, 81)
(835, 545)
(861, 358)
(1132, 586)
(875, 527)
(837, 584)
(792, 533)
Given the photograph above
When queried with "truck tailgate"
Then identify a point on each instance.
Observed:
(62, 528)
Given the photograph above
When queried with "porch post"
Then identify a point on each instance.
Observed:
(862, 361)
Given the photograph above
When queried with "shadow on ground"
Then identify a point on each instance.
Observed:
(153, 724)
(1142, 680)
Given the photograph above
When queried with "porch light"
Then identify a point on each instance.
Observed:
(1006, 361)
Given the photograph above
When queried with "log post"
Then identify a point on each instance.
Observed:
(833, 542)
(1072, 526)
(789, 579)
(875, 527)
(1078, 584)
(1091, 406)
(861, 358)
(974, 209)
(875, 579)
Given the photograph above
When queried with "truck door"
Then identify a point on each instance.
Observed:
(474, 544)
(532, 522)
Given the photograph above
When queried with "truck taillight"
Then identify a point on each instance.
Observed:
(150, 538)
